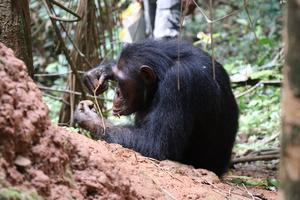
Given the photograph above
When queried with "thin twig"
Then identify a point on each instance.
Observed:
(224, 193)
(256, 86)
(66, 9)
(78, 18)
(164, 170)
(214, 188)
(149, 28)
(253, 82)
(212, 40)
(268, 152)
(249, 90)
(178, 44)
(220, 191)
(75, 46)
(72, 98)
(251, 195)
(255, 158)
(273, 137)
(57, 74)
(65, 91)
(237, 193)
(98, 107)
(277, 59)
(208, 20)
(205, 181)
(136, 158)
(56, 98)
(159, 186)
(250, 21)
(229, 192)
(38, 29)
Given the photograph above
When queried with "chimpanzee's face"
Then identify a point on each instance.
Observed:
(129, 94)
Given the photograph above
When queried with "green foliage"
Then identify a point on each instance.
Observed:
(12, 193)
(259, 110)
(54, 108)
(57, 66)
(56, 82)
(269, 183)
(259, 117)
(264, 74)
(237, 39)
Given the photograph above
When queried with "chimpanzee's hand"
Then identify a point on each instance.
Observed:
(86, 117)
(97, 78)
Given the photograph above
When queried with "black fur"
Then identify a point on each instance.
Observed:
(195, 124)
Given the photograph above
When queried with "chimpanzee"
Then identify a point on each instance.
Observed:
(184, 110)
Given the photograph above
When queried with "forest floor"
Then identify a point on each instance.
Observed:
(39, 160)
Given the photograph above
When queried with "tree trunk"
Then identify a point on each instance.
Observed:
(15, 29)
(290, 152)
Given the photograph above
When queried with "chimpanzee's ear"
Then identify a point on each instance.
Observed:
(147, 74)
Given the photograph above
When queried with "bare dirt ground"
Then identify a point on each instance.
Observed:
(57, 164)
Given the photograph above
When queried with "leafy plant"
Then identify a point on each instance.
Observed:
(269, 183)
(12, 193)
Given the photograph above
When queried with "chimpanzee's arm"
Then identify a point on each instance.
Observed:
(163, 136)
(153, 137)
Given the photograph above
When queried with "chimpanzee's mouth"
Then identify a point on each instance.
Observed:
(118, 112)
